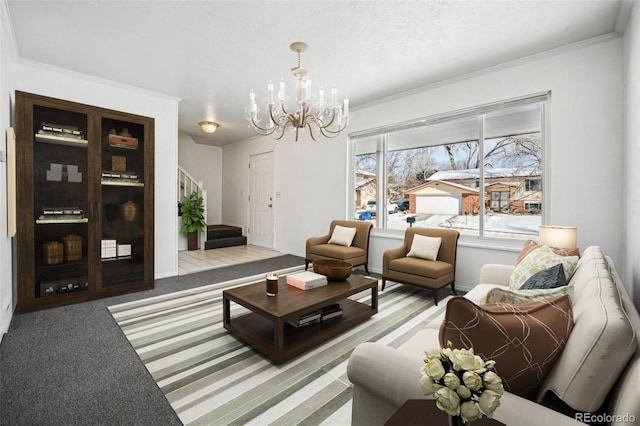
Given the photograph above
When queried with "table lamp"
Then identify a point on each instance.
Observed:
(558, 236)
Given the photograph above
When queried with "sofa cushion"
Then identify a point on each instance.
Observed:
(538, 260)
(531, 245)
(503, 295)
(547, 278)
(342, 236)
(524, 339)
(425, 247)
(602, 342)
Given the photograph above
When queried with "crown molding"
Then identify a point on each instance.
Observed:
(494, 68)
(7, 29)
(94, 79)
(623, 16)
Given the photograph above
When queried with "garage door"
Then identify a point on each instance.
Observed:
(440, 204)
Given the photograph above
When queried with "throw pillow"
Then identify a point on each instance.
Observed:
(501, 295)
(539, 260)
(342, 236)
(425, 247)
(524, 340)
(531, 245)
(547, 278)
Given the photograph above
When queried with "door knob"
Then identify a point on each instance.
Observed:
(270, 205)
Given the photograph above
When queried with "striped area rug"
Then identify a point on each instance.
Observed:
(210, 378)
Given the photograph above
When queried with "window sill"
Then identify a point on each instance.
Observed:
(507, 245)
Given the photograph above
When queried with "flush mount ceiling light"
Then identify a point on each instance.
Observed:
(328, 119)
(208, 126)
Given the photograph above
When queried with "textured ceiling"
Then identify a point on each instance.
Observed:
(211, 54)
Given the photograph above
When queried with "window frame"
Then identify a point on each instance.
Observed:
(542, 98)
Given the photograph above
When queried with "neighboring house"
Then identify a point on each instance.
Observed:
(440, 197)
(365, 183)
(507, 189)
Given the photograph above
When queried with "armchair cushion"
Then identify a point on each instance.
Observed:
(425, 247)
(524, 340)
(342, 236)
(336, 251)
(418, 266)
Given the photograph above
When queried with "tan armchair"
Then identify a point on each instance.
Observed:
(430, 274)
(356, 254)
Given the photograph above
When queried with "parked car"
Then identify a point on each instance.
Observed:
(371, 207)
(402, 204)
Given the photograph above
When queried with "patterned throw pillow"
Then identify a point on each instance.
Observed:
(531, 245)
(524, 340)
(539, 260)
(547, 278)
(501, 295)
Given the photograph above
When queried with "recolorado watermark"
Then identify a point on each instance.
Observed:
(604, 418)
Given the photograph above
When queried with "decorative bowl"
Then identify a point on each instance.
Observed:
(334, 270)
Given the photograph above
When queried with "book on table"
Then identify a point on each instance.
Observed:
(306, 280)
(310, 318)
(331, 311)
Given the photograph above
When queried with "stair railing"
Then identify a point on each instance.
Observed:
(186, 185)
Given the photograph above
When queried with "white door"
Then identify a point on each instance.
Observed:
(261, 200)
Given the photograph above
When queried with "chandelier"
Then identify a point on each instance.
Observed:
(327, 119)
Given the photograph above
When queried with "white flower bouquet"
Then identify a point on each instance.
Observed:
(462, 383)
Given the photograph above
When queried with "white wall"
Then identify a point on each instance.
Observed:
(308, 176)
(631, 53)
(7, 299)
(584, 158)
(35, 78)
(204, 163)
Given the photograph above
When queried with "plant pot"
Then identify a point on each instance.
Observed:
(192, 240)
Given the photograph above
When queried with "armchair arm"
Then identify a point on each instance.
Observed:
(314, 241)
(391, 254)
(493, 273)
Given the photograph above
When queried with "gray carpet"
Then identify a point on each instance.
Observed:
(73, 366)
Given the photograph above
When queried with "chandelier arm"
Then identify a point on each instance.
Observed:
(266, 130)
(311, 131)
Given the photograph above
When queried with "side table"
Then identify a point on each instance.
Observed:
(425, 412)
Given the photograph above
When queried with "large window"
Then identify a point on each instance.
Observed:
(479, 171)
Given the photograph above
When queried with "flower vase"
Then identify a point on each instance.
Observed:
(457, 421)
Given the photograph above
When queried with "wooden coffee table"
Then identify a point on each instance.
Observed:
(265, 328)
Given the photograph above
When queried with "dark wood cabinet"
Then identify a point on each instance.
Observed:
(84, 202)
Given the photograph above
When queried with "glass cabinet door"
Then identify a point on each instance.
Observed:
(60, 202)
(122, 217)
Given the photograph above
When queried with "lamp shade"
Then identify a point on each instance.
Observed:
(558, 236)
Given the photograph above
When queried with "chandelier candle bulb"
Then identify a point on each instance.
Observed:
(334, 96)
(321, 96)
(270, 89)
(346, 106)
(281, 92)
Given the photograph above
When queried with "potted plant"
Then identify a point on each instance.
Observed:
(192, 210)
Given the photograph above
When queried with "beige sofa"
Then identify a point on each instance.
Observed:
(596, 377)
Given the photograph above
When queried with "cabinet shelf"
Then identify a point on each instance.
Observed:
(61, 140)
(121, 183)
(52, 221)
